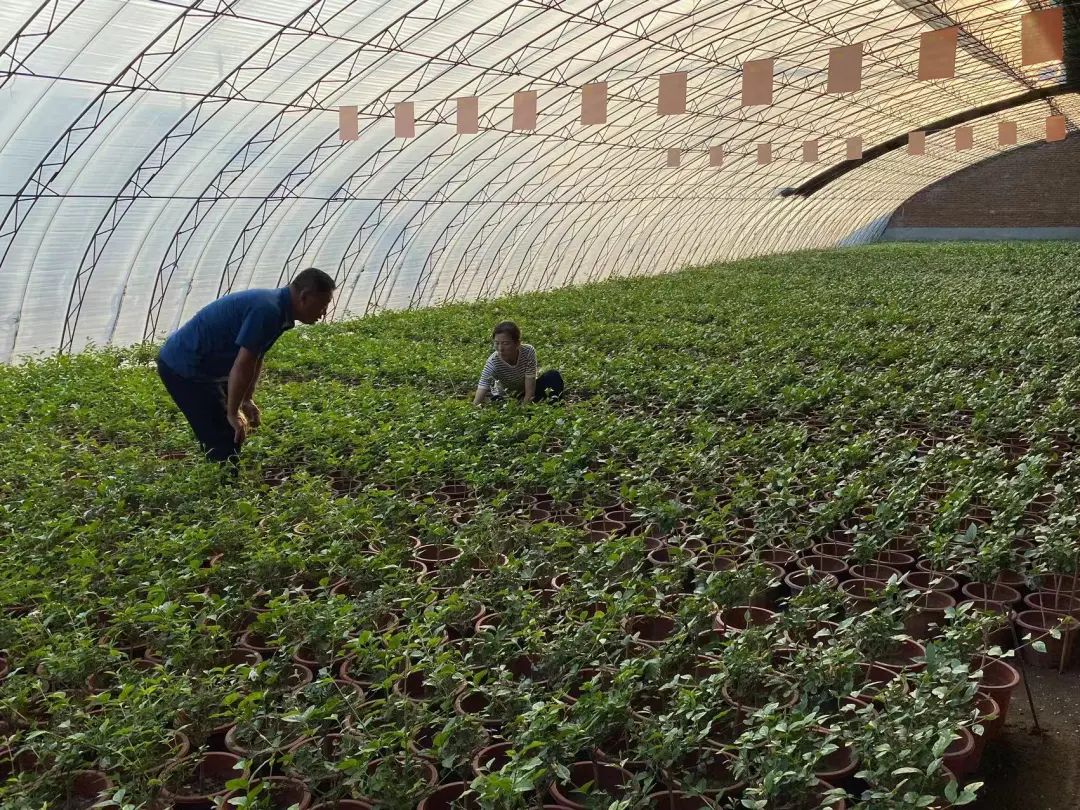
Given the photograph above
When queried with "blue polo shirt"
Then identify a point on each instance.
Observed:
(205, 347)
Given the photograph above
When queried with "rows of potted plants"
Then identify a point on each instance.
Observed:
(784, 552)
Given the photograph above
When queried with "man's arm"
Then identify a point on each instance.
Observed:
(255, 379)
(248, 406)
(241, 381)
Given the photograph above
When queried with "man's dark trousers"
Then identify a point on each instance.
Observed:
(204, 406)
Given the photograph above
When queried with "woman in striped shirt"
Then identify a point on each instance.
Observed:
(511, 370)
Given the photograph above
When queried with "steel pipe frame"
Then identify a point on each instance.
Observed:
(143, 67)
(448, 227)
(653, 69)
(806, 22)
(258, 63)
(901, 12)
(586, 241)
(302, 170)
(45, 16)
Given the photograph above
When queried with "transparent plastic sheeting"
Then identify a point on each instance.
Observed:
(157, 153)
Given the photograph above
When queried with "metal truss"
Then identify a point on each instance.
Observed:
(39, 26)
(140, 74)
(513, 211)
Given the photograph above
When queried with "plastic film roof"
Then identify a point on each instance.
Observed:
(157, 153)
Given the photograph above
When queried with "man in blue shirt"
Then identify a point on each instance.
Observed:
(211, 364)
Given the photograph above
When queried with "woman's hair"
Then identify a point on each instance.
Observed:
(508, 328)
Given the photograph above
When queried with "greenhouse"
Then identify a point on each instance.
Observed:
(660, 405)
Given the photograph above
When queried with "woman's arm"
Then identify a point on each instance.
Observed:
(530, 388)
(481, 395)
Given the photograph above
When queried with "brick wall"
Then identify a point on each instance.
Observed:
(1035, 186)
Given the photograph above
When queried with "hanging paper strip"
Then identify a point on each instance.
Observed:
(525, 111)
(674, 157)
(348, 124)
(468, 115)
(1006, 133)
(916, 143)
(764, 154)
(716, 156)
(845, 69)
(937, 54)
(594, 104)
(854, 148)
(1042, 36)
(404, 120)
(672, 98)
(1055, 128)
(810, 151)
(757, 82)
(965, 138)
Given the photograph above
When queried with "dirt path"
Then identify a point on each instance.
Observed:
(1025, 771)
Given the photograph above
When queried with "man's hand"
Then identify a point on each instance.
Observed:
(239, 424)
(249, 409)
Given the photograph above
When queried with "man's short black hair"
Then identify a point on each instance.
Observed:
(313, 280)
(508, 328)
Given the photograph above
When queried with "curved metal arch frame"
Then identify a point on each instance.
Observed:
(900, 12)
(373, 164)
(45, 16)
(142, 68)
(586, 240)
(377, 285)
(825, 32)
(297, 175)
(193, 120)
(352, 255)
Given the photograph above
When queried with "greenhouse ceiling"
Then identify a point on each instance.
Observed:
(157, 153)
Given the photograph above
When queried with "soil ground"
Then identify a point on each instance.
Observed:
(1026, 771)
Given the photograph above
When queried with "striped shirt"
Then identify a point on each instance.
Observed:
(508, 377)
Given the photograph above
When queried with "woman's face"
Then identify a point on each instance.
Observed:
(506, 346)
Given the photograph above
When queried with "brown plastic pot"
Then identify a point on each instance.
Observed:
(928, 617)
(904, 657)
(604, 529)
(205, 780)
(990, 716)
(1060, 583)
(651, 630)
(676, 800)
(1061, 651)
(285, 793)
(737, 619)
(896, 559)
(926, 581)
(251, 640)
(878, 572)
(344, 804)
(875, 677)
(492, 758)
(829, 565)
(87, 787)
(833, 548)
(1051, 602)
(999, 679)
(798, 580)
(993, 593)
(862, 593)
(450, 797)
(838, 767)
(604, 779)
(959, 757)
(435, 556)
(783, 557)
